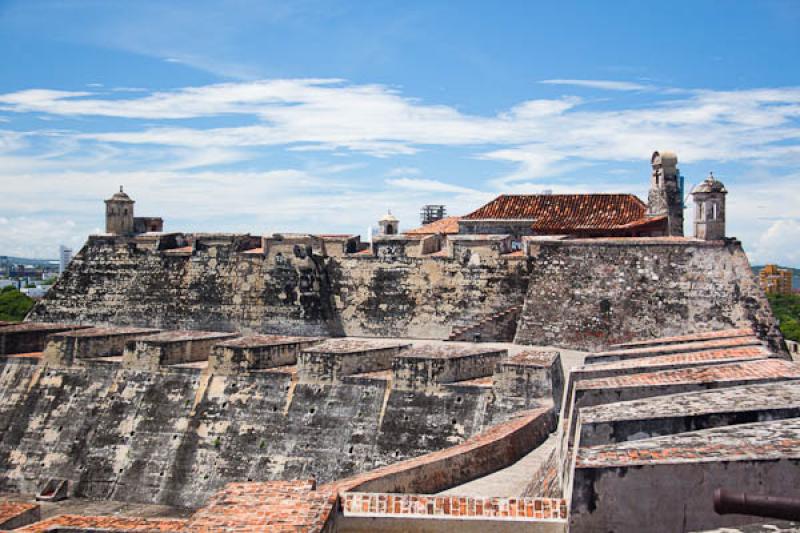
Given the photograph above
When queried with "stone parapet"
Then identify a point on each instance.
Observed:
(335, 358)
(667, 349)
(424, 367)
(667, 484)
(679, 339)
(679, 413)
(257, 352)
(530, 375)
(28, 337)
(65, 347)
(14, 515)
(170, 348)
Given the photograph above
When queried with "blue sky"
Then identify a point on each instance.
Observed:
(313, 116)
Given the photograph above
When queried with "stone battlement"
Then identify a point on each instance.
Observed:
(62, 348)
(257, 352)
(29, 336)
(428, 366)
(171, 348)
(331, 359)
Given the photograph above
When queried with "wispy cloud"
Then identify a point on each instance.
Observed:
(428, 185)
(606, 85)
(314, 114)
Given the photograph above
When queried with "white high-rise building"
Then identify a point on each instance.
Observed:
(64, 257)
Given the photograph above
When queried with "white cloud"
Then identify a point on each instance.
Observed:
(607, 85)
(428, 185)
(779, 244)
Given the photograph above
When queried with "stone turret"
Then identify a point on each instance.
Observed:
(665, 198)
(709, 209)
(389, 224)
(119, 214)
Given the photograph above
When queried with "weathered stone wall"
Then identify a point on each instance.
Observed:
(577, 293)
(423, 297)
(586, 294)
(175, 436)
(218, 287)
(215, 287)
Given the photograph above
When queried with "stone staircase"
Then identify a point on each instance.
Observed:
(497, 327)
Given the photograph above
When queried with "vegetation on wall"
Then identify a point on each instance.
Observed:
(13, 304)
(787, 309)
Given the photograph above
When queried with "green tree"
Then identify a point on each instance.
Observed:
(786, 308)
(13, 304)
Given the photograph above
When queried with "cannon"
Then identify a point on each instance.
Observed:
(729, 502)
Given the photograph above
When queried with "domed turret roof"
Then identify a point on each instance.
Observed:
(711, 184)
(665, 158)
(120, 196)
(388, 217)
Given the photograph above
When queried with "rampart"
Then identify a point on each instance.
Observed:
(166, 428)
(578, 293)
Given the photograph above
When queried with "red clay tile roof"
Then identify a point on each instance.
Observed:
(560, 212)
(447, 225)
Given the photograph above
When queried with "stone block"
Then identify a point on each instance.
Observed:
(170, 348)
(257, 352)
(423, 367)
(331, 359)
(528, 375)
(29, 337)
(65, 347)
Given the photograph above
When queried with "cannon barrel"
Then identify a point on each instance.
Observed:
(729, 502)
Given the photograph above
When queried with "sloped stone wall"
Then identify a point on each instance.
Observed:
(582, 294)
(587, 294)
(176, 436)
(114, 281)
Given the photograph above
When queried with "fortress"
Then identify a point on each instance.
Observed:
(543, 363)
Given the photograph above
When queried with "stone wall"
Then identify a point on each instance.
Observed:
(217, 286)
(177, 435)
(587, 294)
(582, 294)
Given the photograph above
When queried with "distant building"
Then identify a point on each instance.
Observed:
(64, 257)
(775, 280)
(431, 213)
